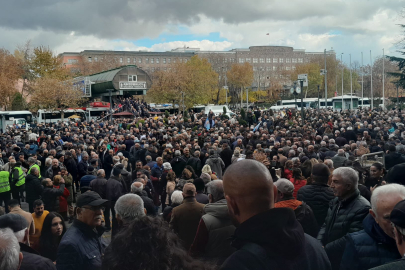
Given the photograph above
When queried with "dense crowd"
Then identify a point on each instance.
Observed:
(271, 191)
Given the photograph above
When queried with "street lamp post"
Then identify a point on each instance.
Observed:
(302, 101)
(318, 97)
(343, 68)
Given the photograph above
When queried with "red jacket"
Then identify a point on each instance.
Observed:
(287, 174)
(63, 205)
(297, 185)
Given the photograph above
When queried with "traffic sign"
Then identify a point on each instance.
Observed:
(304, 78)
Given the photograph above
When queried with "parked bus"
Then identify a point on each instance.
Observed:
(45, 116)
(19, 119)
(95, 113)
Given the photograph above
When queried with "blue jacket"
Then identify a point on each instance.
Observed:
(368, 248)
(85, 180)
(81, 248)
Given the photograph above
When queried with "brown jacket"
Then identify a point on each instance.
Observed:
(185, 220)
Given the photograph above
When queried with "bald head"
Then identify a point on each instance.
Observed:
(248, 188)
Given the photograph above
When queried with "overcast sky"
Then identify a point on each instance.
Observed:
(349, 26)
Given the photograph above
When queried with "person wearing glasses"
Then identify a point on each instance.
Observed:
(82, 246)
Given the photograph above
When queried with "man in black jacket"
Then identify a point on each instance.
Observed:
(51, 195)
(318, 194)
(114, 190)
(195, 163)
(33, 188)
(345, 215)
(393, 157)
(31, 259)
(266, 238)
(226, 155)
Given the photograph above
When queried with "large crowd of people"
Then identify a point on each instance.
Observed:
(271, 191)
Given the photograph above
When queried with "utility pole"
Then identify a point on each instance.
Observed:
(343, 68)
(111, 110)
(362, 81)
(302, 101)
(351, 84)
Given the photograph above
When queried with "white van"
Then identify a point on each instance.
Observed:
(218, 109)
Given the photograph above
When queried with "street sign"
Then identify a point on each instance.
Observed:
(304, 78)
(323, 71)
(225, 87)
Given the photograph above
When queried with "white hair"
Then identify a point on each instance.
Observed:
(116, 159)
(386, 191)
(48, 161)
(129, 206)
(135, 189)
(9, 250)
(349, 175)
(216, 189)
(329, 163)
(177, 197)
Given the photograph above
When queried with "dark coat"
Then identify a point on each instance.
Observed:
(369, 248)
(108, 161)
(99, 185)
(148, 204)
(81, 248)
(185, 219)
(396, 265)
(50, 197)
(178, 165)
(32, 261)
(33, 188)
(82, 169)
(226, 156)
(284, 246)
(71, 167)
(114, 189)
(343, 217)
(350, 135)
(317, 196)
(195, 163)
(393, 159)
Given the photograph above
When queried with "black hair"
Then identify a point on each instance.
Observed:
(13, 203)
(148, 242)
(378, 165)
(47, 246)
(199, 184)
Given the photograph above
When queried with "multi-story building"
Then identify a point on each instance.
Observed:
(271, 64)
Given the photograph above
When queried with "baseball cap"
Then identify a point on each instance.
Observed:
(398, 214)
(13, 221)
(91, 198)
(284, 186)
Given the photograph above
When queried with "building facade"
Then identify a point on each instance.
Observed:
(272, 65)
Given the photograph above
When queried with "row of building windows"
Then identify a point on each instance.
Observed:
(270, 60)
(273, 68)
(141, 60)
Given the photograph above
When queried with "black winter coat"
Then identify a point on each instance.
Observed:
(368, 248)
(81, 248)
(71, 167)
(178, 165)
(32, 261)
(33, 188)
(82, 169)
(343, 217)
(317, 196)
(50, 197)
(285, 246)
(114, 189)
(226, 156)
(393, 159)
(195, 163)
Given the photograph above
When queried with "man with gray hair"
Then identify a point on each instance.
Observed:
(127, 208)
(30, 258)
(178, 163)
(345, 215)
(214, 233)
(10, 255)
(375, 245)
(339, 159)
(137, 188)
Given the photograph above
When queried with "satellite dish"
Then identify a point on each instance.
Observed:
(292, 90)
(298, 90)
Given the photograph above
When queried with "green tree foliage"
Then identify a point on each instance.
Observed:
(18, 103)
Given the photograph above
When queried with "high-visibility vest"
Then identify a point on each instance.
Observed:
(4, 181)
(35, 166)
(21, 177)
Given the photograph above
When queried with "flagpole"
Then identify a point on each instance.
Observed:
(383, 81)
(362, 82)
(351, 84)
(371, 85)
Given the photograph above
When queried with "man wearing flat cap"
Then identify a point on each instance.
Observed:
(82, 246)
(31, 259)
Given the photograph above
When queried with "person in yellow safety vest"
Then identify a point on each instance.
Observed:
(17, 180)
(32, 163)
(5, 189)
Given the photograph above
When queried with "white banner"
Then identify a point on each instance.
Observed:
(132, 85)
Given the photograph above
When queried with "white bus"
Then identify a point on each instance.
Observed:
(307, 103)
(19, 119)
(95, 113)
(48, 116)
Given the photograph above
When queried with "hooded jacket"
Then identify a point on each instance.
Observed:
(278, 233)
(178, 164)
(216, 164)
(33, 188)
(214, 234)
(368, 248)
